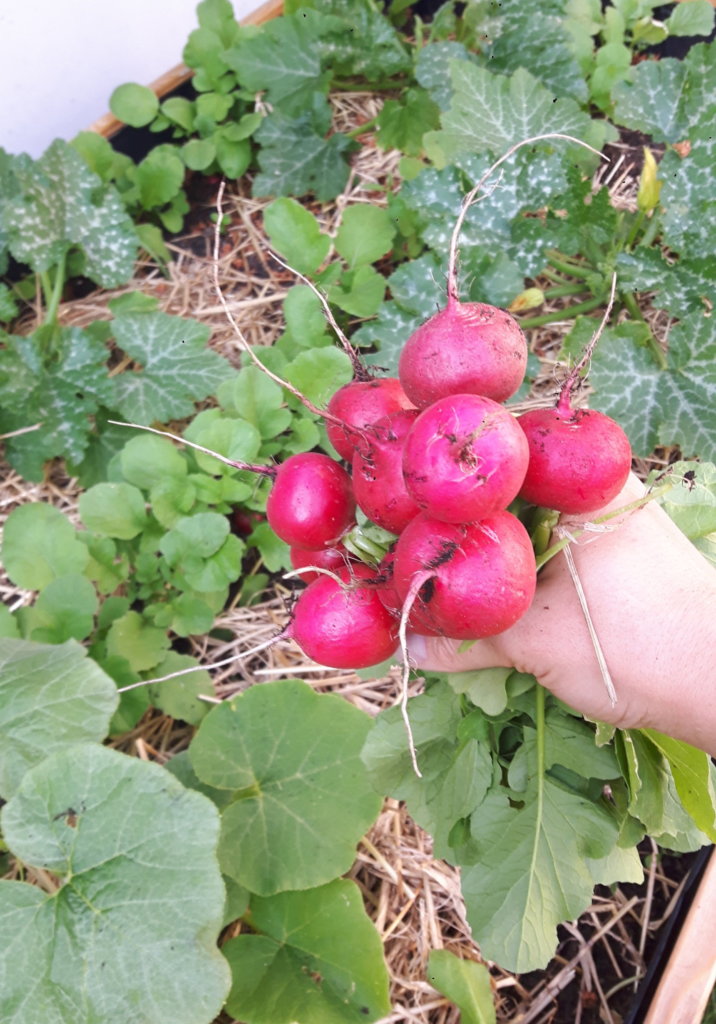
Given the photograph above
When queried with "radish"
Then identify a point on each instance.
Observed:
(344, 625)
(358, 404)
(464, 458)
(467, 347)
(311, 503)
(478, 578)
(324, 558)
(378, 482)
(579, 458)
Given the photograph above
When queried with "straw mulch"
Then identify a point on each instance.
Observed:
(414, 900)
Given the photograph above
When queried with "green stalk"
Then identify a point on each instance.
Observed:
(563, 264)
(561, 314)
(629, 300)
(365, 127)
(564, 289)
(56, 295)
(635, 228)
(652, 231)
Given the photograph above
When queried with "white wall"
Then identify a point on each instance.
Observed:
(61, 59)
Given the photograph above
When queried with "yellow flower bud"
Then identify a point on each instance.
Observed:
(529, 299)
(647, 198)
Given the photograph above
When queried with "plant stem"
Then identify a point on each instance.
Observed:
(563, 264)
(631, 237)
(564, 289)
(56, 294)
(366, 126)
(561, 314)
(629, 300)
(652, 230)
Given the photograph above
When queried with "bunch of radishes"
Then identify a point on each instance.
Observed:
(436, 459)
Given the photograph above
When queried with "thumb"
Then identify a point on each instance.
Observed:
(442, 654)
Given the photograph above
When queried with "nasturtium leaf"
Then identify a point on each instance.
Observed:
(318, 373)
(315, 958)
(39, 545)
(131, 932)
(64, 610)
(62, 203)
(530, 873)
(131, 637)
(302, 797)
(365, 234)
(51, 695)
(177, 368)
(134, 104)
(113, 510)
(296, 234)
(179, 697)
(691, 501)
(466, 983)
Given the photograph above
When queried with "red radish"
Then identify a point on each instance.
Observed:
(360, 403)
(467, 347)
(464, 458)
(483, 575)
(391, 599)
(378, 482)
(579, 458)
(344, 626)
(324, 558)
(311, 503)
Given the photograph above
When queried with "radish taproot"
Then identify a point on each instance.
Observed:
(464, 458)
(311, 503)
(344, 624)
(579, 458)
(357, 405)
(467, 347)
(480, 578)
(323, 558)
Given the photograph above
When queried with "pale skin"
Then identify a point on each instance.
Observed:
(652, 598)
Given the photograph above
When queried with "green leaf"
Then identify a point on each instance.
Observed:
(8, 306)
(689, 205)
(365, 234)
(691, 502)
(455, 774)
(432, 68)
(235, 439)
(402, 123)
(113, 510)
(61, 392)
(177, 368)
(136, 105)
(61, 203)
(693, 18)
(191, 616)
(179, 110)
(64, 610)
(295, 234)
(51, 696)
(198, 154)
(485, 687)
(147, 459)
(194, 538)
(466, 983)
(39, 545)
(143, 646)
(360, 292)
(159, 177)
(180, 697)
(232, 155)
(302, 798)
(530, 872)
(316, 953)
(282, 60)
(132, 929)
(493, 112)
(694, 778)
(318, 373)
(297, 156)
(258, 400)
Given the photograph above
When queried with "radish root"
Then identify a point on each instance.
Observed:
(418, 580)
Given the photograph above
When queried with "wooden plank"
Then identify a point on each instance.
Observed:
(108, 124)
(690, 973)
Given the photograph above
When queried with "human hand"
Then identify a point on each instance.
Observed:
(652, 600)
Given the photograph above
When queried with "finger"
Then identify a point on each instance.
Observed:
(442, 654)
